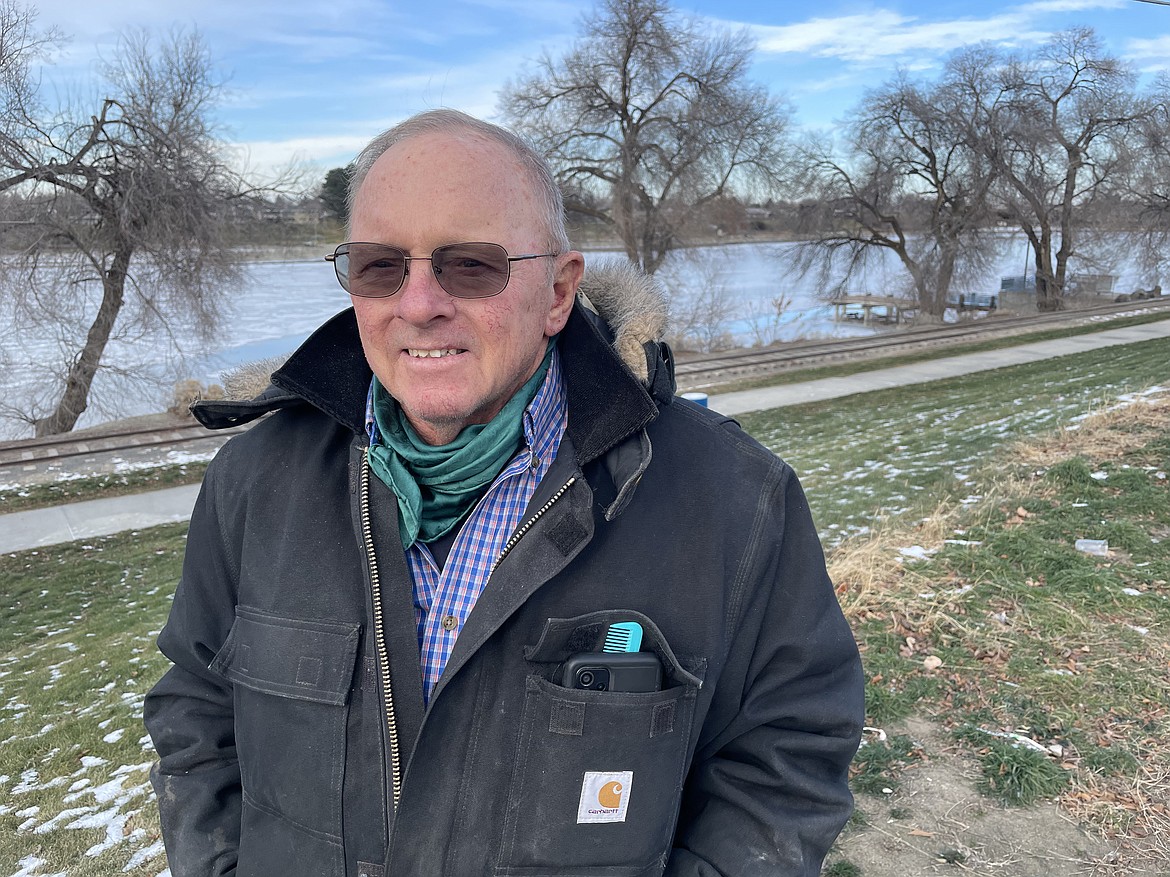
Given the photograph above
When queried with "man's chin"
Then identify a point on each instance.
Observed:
(439, 425)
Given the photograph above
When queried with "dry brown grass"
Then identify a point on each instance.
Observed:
(874, 583)
(1106, 435)
(868, 570)
(1135, 810)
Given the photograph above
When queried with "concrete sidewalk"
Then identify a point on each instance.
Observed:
(101, 517)
(95, 517)
(931, 370)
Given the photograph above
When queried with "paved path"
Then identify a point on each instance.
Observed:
(100, 517)
(931, 369)
(95, 517)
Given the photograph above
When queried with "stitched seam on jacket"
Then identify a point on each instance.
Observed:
(229, 555)
(746, 573)
(482, 704)
(284, 817)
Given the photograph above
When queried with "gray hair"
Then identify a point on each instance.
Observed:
(446, 121)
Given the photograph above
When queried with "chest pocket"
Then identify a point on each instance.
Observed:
(291, 680)
(597, 775)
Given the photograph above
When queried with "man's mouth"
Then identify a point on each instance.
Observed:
(420, 353)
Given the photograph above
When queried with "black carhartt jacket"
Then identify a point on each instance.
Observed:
(291, 731)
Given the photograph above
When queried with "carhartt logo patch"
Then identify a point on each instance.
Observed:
(605, 796)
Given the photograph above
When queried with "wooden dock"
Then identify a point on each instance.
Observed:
(874, 309)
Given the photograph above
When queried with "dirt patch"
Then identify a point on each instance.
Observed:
(937, 822)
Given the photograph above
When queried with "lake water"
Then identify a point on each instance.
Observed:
(280, 303)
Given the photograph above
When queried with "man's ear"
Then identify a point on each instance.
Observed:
(567, 277)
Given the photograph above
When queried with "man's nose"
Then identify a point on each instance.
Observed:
(421, 298)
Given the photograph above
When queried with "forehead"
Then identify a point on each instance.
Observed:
(449, 186)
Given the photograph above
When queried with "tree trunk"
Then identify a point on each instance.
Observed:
(1047, 289)
(75, 397)
(942, 283)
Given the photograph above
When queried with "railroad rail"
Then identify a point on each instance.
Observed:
(710, 371)
(696, 372)
(24, 451)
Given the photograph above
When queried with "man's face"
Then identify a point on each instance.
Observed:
(438, 189)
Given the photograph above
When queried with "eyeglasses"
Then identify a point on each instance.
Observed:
(473, 270)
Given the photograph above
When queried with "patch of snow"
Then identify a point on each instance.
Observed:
(145, 855)
(28, 782)
(64, 815)
(113, 821)
(916, 552)
(30, 865)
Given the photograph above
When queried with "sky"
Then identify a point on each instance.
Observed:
(311, 81)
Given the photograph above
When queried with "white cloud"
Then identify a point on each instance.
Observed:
(1041, 7)
(266, 159)
(1151, 55)
(885, 34)
(1156, 47)
(881, 35)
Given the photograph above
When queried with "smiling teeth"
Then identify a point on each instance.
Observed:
(432, 354)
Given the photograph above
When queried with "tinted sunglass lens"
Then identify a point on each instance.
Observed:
(471, 270)
(371, 270)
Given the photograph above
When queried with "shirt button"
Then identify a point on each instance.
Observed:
(450, 622)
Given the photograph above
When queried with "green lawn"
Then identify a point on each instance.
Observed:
(897, 452)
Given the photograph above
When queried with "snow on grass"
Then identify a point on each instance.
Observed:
(883, 454)
(30, 866)
(81, 660)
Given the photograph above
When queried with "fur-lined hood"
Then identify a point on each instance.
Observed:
(631, 303)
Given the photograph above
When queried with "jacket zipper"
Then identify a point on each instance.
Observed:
(379, 632)
(527, 525)
(376, 593)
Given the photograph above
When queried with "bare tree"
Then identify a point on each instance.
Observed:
(657, 113)
(701, 305)
(1054, 125)
(125, 210)
(1150, 188)
(907, 185)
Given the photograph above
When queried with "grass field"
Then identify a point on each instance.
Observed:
(897, 452)
(1048, 664)
(953, 508)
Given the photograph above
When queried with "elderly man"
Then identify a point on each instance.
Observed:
(481, 596)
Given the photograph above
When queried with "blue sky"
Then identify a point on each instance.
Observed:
(312, 81)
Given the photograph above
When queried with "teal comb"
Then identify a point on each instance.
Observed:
(625, 636)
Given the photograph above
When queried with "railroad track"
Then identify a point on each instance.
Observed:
(710, 371)
(14, 454)
(705, 373)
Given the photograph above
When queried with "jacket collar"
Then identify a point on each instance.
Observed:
(607, 404)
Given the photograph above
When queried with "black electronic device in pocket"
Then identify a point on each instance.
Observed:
(613, 671)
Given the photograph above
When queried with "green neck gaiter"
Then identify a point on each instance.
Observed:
(436, 485)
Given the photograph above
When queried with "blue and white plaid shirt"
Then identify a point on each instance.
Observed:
(444, 598)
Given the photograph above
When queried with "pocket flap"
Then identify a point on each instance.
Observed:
(563, 637)
(289, 657)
